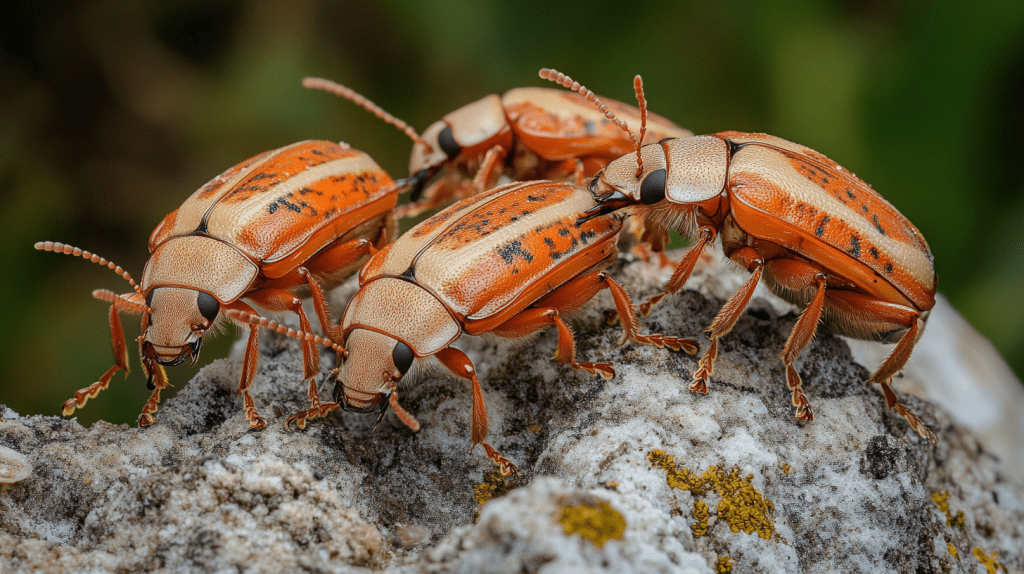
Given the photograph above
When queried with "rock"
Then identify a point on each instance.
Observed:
(636, 474)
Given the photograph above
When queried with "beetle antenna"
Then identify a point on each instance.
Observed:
(638, 87)
(567, 82)
(251, 320)
(121, 303)
(69, 250)
(360, 100)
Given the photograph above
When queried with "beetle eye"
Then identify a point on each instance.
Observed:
(402, 356)
(208, 306)
(652, 190)
(449, 146)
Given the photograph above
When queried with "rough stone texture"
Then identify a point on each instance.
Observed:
(853, 491)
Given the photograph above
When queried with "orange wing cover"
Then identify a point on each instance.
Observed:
(560, 125)
(489, 256)
(800, 199)
(282, 206)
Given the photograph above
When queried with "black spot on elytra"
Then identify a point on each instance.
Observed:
(873, 252)
(821, 226)
(855, 250)
(263, 175)
(586, 236)
(850, 194)
(563, 232)
(589, 126)
(878, 226)
(888, 268)
(317, 152)
(512, 249)
(864, 208)
(551, 244)
(282, 202)
(534, 198)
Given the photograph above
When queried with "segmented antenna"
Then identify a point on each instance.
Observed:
(567, 82)
(69, 250)
(360, 100)
(638, 87)
(121, 303)
(248, 319)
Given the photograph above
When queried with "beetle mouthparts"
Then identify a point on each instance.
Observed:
(613, 202)
(415, 183)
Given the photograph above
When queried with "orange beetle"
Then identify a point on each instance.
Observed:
(821, 238)
(510, 261)
(281, 225)
(526, 133)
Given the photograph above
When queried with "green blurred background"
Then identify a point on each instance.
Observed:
(112, 112)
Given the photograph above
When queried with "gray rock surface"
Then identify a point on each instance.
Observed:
(852, 491)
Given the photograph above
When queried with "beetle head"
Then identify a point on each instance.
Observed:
(375, 363)
(460, 138)
(178, 320)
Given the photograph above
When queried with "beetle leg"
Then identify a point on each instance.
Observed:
(624, 307)
(459, 364)
(281, 300)
(120, 363)
(683, 270)
(876, 318)
(249, 363)
(579, 172)
(490, 170)
(157, 378)
(317, 409)
(801, 336)
(727, 317)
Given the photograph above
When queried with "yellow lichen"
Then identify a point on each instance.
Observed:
(990, 563)
(598, 524)
(724, 565)
(785, 468)
(742, 507)
(952, 550)
(493, 486)
(700, 514)
(942, 500)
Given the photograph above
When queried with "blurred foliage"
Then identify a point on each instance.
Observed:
(112, 112)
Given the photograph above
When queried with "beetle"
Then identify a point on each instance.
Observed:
(282, 225)
(509, 262)
(526, 133)
(819, 237)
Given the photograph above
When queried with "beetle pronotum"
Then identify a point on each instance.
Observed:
(817, 235)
